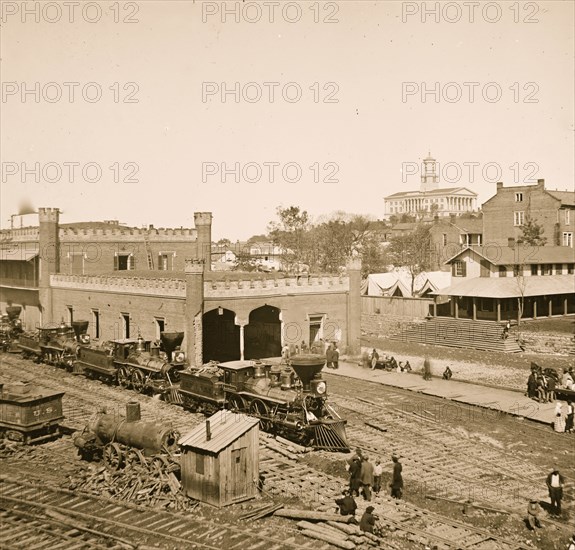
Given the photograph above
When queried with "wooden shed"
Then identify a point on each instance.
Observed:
(220, 459)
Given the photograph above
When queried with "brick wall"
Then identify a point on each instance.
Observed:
(498, 212)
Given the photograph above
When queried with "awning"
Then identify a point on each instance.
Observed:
(511, 287)
(18, 254)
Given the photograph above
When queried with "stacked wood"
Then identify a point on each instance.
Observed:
(139, 485)
(333, 529)
(259, 513)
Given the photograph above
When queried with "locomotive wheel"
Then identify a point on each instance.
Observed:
(260, 409)
(135, 457)
(123, 377)
(113, 456)
(236, 403)
(138, 381)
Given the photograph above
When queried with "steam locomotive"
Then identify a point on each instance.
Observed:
(10, 329)
(291, 402)
(55, 345)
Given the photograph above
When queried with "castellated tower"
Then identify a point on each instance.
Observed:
(203, 223)
(49, 243)
(194, 270)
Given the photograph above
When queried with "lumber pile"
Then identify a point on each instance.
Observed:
(333, 529)
(148, 487)
(262, 512)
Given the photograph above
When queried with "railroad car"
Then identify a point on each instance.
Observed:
(127, 440)
(29, 413)
(135, 363)
(291, 402)
(10, 329)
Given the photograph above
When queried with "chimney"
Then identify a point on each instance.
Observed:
(208, 431)
(499, 185)
(541, 184)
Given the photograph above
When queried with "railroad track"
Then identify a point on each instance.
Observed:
(407, 524)
(444, 462)
(98, 517)
(427, 447)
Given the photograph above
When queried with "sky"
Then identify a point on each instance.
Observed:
(115, 110)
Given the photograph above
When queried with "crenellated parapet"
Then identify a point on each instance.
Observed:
(23, 234)
(276, 286)
(128, 234)
(173, 288)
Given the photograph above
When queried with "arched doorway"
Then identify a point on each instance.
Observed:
(262, 336)
(221, 336)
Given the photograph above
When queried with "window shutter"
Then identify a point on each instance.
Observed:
(464, 269)
(453, 269)
(115, 263)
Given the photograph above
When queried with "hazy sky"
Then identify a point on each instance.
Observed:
(161, 155)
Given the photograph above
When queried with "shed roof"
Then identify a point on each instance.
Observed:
(18, 254)
(225, 427)
(505, 255)
(508, 287)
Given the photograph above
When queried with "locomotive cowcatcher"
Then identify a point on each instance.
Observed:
(291, 402)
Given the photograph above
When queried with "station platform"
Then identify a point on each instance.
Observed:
(507, 401)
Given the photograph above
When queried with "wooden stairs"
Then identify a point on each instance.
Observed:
(460, 333)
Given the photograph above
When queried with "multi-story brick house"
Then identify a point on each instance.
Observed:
(505, 213)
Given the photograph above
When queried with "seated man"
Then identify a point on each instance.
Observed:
(447, 374)
(533, 513)
(368, 520)
(346, 504)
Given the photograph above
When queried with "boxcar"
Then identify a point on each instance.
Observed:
(29, 413)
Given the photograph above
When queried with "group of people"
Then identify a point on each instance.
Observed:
(541, 385)
(389, 363)
(332, 356)
(563, 421)
(365, 477)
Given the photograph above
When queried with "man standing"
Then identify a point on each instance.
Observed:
(377, 472)
(366, 477)
(335, 356)
(397, 479)
(374, 358)
(355, 476)
(426, 369)
(555, 482)
(329, 357)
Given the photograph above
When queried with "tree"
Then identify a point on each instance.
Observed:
(532, 233)
(412, 251)
(519, 273)
(290, 234)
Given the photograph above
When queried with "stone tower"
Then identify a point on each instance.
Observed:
(203, 223)
(49, 243)
(194, 270)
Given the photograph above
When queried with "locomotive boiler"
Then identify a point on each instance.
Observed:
(10, 329)
(122, 440)
(290, 401)
(135, 363)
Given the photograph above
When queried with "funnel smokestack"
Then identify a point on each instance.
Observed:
(13, 312)
(306, 366)
(170, 341)
(80, 327)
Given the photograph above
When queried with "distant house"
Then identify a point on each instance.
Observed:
(451, 235)
(505, 213)
(489, 282)
(220, 459)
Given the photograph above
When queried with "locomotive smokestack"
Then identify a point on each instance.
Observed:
(170, 341)
(306, 366)
(13, 312)
(208, 431)
(133, 411)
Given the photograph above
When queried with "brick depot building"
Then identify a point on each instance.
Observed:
(129, 281)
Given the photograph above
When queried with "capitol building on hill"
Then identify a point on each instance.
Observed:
(431, 198)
